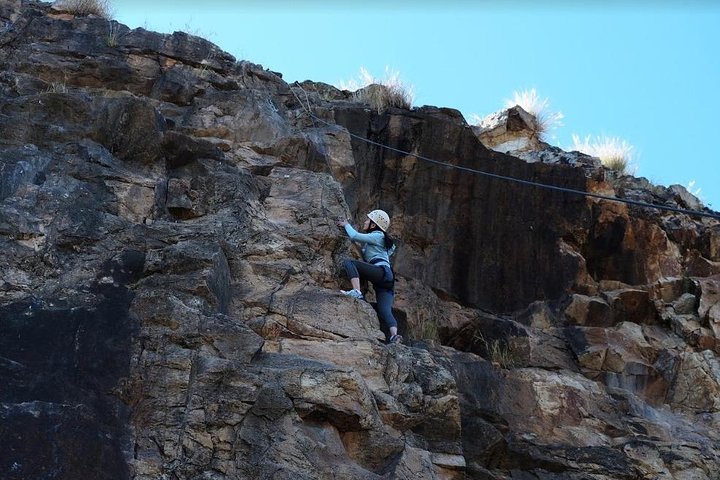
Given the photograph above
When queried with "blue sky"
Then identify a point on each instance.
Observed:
(646, 72)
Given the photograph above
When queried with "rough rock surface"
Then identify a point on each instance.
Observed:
(511, 130)
(169, 302)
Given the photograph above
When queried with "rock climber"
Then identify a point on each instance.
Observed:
(377, 247)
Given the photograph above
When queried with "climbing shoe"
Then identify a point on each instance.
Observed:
(397, 339)
(354, 293)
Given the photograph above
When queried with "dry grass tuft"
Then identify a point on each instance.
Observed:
(697, 191)
(83, 8)
(476, 119)
(614, 153)
(497, 352)
(530, 101)
(57, 87)
(380, 94)
(112, 39)
(425, 329)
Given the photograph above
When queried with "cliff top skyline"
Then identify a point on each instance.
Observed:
(643, 74)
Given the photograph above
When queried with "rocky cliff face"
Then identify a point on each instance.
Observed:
(169, 302)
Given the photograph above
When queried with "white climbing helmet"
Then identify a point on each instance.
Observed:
(380, 218)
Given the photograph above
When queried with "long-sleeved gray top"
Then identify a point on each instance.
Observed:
(373, 249)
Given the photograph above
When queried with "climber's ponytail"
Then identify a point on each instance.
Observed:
(389, 242)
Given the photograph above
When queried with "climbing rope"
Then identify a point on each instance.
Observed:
(501, 177)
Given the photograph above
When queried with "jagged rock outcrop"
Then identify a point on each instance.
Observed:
(510, 130)
(169, 302)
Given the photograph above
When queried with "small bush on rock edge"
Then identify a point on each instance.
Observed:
(530, 101)
(497, 352)
(83, 8)
(380, 94)
(614, 153)
(426, 329)
(112, 39)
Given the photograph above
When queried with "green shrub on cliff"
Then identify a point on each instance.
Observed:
(380, 94)
(614, 153)
(83, 8)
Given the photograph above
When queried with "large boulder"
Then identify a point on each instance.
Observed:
(509, 130)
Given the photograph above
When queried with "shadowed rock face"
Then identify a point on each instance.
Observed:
(169, 302)
(468, 236)
(60, 364)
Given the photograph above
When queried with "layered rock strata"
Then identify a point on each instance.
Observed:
(169, 289)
